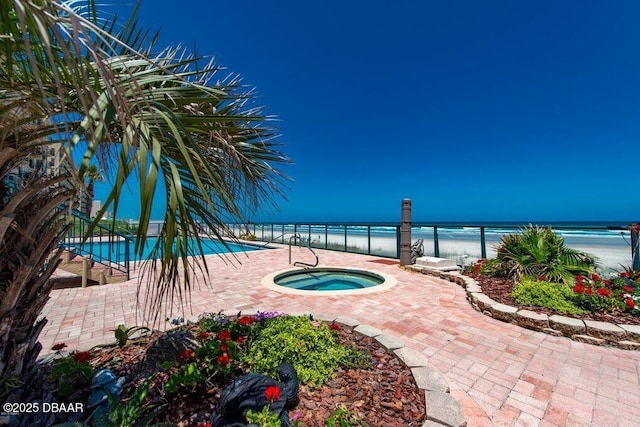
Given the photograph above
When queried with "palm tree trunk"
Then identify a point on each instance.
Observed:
(31, 228)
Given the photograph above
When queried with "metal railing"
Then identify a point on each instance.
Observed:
(103, 245)
(464, 242)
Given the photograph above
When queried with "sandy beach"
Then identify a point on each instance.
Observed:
(611, 253)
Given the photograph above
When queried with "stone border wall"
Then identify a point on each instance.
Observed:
(626, 337)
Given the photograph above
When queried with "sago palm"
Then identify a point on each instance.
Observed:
(68, 75)
(539, 251)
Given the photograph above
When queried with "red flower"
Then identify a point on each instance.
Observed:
(246, 320)
(203, 335)
(604, 292)
(186, 354)
(594, 276)
(203, 424)
(579, 278)
(239, 339)
(627, 288)
(607, 282)
(578, 288)
(630, 303)
(334, 326)
(480, 261)
(82, 356)
(588, 291)
(541, 278)
(224, 335)
(625, 274)
(223, 348)
(223, 360)
(58, 346)
(272, 393)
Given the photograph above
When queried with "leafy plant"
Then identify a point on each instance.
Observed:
(123, 334)
(597, 295)
(342, 417)
(554, 296)
(187, 376)
(72, 372)
(218, 355)
(309, 346)
(134, 413)
(263, 418)
(538, 251)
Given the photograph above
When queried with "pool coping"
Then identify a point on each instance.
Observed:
(623, 336)
(390, 281)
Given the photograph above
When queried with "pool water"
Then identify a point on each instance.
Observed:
(116, 250)
(328, 280)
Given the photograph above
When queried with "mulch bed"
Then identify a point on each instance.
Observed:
(384, 395)
(499, 290)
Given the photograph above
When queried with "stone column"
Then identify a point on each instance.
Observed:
(405, 233)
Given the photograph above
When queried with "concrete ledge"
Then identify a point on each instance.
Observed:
(567, 325)
(444, 409)
(389, 342)
(503, 312)
(410, 357)
(532, 320)
(429, 379)
(633, 332)
(369, 331)
(588, 331)
(605, 331)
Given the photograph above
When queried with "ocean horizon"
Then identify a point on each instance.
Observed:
(609, 242)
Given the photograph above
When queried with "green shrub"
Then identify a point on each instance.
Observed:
(538, 251)
(342, 417)
(554, 296)
(309, 346)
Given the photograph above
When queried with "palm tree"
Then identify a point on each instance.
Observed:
(93, 174)
(70, 75)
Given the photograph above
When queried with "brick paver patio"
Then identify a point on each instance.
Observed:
(502, 374)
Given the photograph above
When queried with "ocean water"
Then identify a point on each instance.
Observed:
(610, 245)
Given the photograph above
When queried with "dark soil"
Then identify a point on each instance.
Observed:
(383, 395)
(499, 290)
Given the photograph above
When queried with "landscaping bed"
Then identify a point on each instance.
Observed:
(382, 391)
(500, 289)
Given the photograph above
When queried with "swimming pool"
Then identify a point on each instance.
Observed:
(328, 281)
(116, 250)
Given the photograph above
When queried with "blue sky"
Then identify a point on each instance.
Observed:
(477, 111)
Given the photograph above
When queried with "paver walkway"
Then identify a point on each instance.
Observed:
(502, 374)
